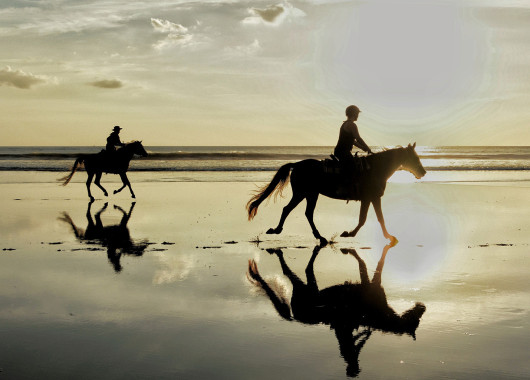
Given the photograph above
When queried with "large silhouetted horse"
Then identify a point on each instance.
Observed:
(353, 310)
(309, 178)
(116, 238)
(106, 162)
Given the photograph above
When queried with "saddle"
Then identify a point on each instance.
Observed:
(347, 174)
(359, 165)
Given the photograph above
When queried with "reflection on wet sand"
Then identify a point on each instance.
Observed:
(353, 310)
(116, 238)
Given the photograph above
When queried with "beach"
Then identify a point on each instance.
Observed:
(170, 297)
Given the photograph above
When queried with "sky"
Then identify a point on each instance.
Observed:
(435, 72)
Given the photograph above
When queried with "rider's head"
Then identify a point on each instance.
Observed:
(352, 112)
(117, 129)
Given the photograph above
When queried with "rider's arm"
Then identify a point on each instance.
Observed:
(357, 139)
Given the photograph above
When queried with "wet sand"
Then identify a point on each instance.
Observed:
(166, 294)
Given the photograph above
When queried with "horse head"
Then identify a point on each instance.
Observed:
(412, 163)
(138, 148)
(410, 319)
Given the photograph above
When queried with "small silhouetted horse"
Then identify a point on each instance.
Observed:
(107, 162)
(309, 178)
(353, 310)
(116, 238)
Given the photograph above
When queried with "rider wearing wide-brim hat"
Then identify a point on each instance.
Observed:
(114, 140)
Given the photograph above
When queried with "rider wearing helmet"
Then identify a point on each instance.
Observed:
(349, 136)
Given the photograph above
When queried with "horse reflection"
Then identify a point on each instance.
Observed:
(116, 238)
(353, 310)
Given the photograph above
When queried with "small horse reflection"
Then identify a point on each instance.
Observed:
(104, 162)
(309, 179)
(116, 238)
(353, 310)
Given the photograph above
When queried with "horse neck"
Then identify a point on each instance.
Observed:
(127, 151)
(388, 162)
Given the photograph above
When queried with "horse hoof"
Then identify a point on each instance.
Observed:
(323, 241)
(132, 196)
(393, 241)
(115, 192)
(91, 199)
(270, 231)
(345, 234)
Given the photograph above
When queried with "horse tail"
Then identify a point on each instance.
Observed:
(279, 181)
(278, 301)
(66, 179)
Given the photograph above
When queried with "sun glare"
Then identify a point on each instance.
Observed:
(402, 176)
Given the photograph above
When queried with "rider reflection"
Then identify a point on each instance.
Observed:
(352, 310)
(115, 238)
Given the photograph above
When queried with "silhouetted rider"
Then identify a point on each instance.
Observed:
(113, 140)
(349, 136)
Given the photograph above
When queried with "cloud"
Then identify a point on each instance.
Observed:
(268, 14)
(176, 268)
(273, 15)
(245, 50)
(165, 26)
(19, 78)
(107, 83)
(178, 35)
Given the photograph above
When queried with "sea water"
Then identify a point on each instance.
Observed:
(258, 163)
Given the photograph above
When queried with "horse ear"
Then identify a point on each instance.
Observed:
(414, 145)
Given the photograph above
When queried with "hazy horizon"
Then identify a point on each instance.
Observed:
(226, 73)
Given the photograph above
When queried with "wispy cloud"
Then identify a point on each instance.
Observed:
(19, 78)
(245, 50)
(107, 83)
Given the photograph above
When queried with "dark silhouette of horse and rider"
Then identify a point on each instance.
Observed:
(110, 160)
(115, 238)
(353, 310)
(343, 177)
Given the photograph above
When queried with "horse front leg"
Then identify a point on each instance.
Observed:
(126, 182)
(381, 219)
(295, 200)
(98, 184)
(88, 182)
(365, 204)
(363, 271)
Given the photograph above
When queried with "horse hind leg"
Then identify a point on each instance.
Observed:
(98, 184)
(88, 182)
(295, 201)
(309, 211)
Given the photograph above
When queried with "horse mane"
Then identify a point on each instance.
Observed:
(386, 151)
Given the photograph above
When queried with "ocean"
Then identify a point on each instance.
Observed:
(258, 163)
